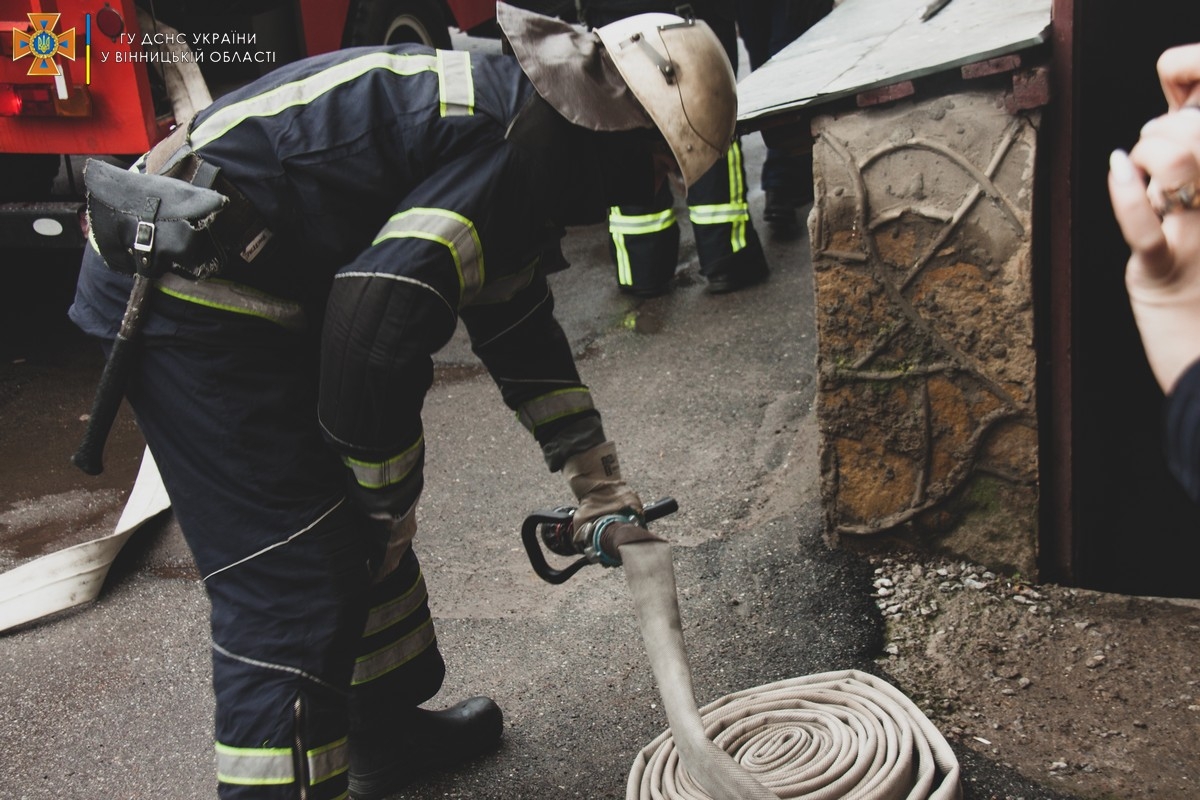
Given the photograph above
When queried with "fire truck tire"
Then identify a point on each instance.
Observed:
(398, 21)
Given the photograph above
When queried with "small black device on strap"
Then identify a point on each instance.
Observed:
(143, 225)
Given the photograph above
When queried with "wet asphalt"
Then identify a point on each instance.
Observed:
(710, 399)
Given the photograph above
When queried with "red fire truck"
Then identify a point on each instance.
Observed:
(112, 77)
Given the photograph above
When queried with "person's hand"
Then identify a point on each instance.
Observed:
(393, 537)
(1179, 73)
(1155, 191)
(595, 478)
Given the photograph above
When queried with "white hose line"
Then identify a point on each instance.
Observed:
(74, 575)
(820, 737)
(651, 580)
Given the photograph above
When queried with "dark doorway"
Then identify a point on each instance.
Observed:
(1134, 531)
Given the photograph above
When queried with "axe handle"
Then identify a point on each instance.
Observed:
(109, 393)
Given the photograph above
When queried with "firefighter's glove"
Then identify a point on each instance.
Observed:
(391, 520)
(595, 478)
(392, 536)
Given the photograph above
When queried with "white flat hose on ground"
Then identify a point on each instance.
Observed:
(74, 575)
(832, 736)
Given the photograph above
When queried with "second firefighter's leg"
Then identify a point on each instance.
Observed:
(644, 242)
(731, 256)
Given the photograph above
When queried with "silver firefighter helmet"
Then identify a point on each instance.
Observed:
(645, 71)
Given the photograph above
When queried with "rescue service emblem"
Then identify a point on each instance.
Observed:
(44, 45)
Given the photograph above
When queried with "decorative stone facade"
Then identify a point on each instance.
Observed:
(921, 237)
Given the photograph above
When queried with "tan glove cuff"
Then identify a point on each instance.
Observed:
(595, 478)
(401, 531)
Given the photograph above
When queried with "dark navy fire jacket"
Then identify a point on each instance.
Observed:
(395, 205)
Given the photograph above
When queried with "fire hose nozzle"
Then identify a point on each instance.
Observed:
(556, 531)
(599, 546)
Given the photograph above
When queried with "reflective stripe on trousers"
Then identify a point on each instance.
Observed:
(399, 667)
(632, 232)
(723, 192)
(644, 240)
(276, 766)
(397, 631)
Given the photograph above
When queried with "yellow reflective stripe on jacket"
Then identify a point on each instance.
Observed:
(375, 665)
(377, 474)
(233, 297)
(328, 762)
(255, 766)
(456, 87)
(447, 228)
(304, 91)
(398, 609)
(555, 405)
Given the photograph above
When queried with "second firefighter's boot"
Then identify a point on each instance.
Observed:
(385, 760)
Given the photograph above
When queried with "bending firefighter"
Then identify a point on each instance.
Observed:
(308, 242)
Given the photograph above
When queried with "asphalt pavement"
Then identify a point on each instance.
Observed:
(710, 399)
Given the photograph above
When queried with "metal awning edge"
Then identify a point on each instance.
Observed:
(863, 60)
(828, 97)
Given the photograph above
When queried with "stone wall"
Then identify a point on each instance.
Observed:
(921, 237)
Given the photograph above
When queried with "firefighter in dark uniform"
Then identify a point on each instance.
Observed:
(768, 26)
(375, 197)
(644, 238)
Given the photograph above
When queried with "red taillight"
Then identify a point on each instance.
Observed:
(27, 100)
(42, 100)
(10, 101)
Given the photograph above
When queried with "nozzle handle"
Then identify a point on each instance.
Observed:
(563, 516)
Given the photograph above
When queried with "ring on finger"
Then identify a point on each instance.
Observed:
(1181, 198)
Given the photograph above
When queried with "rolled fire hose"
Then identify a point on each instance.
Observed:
(822, 737)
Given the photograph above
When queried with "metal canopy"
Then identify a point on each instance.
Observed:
(867, 44)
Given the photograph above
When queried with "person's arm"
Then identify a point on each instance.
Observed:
(1153, 191)
(1182, 429)
(528, 355)
(1179, 73)
(443, 254)
(1163, 271)
(380, 332)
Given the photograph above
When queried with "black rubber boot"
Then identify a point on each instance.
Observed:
(780, 213)
(385, 761)
(746, 267)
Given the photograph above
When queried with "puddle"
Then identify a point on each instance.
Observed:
(642, 320)
(33, 528)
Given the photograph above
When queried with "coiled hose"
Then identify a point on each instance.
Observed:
(821, 737)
